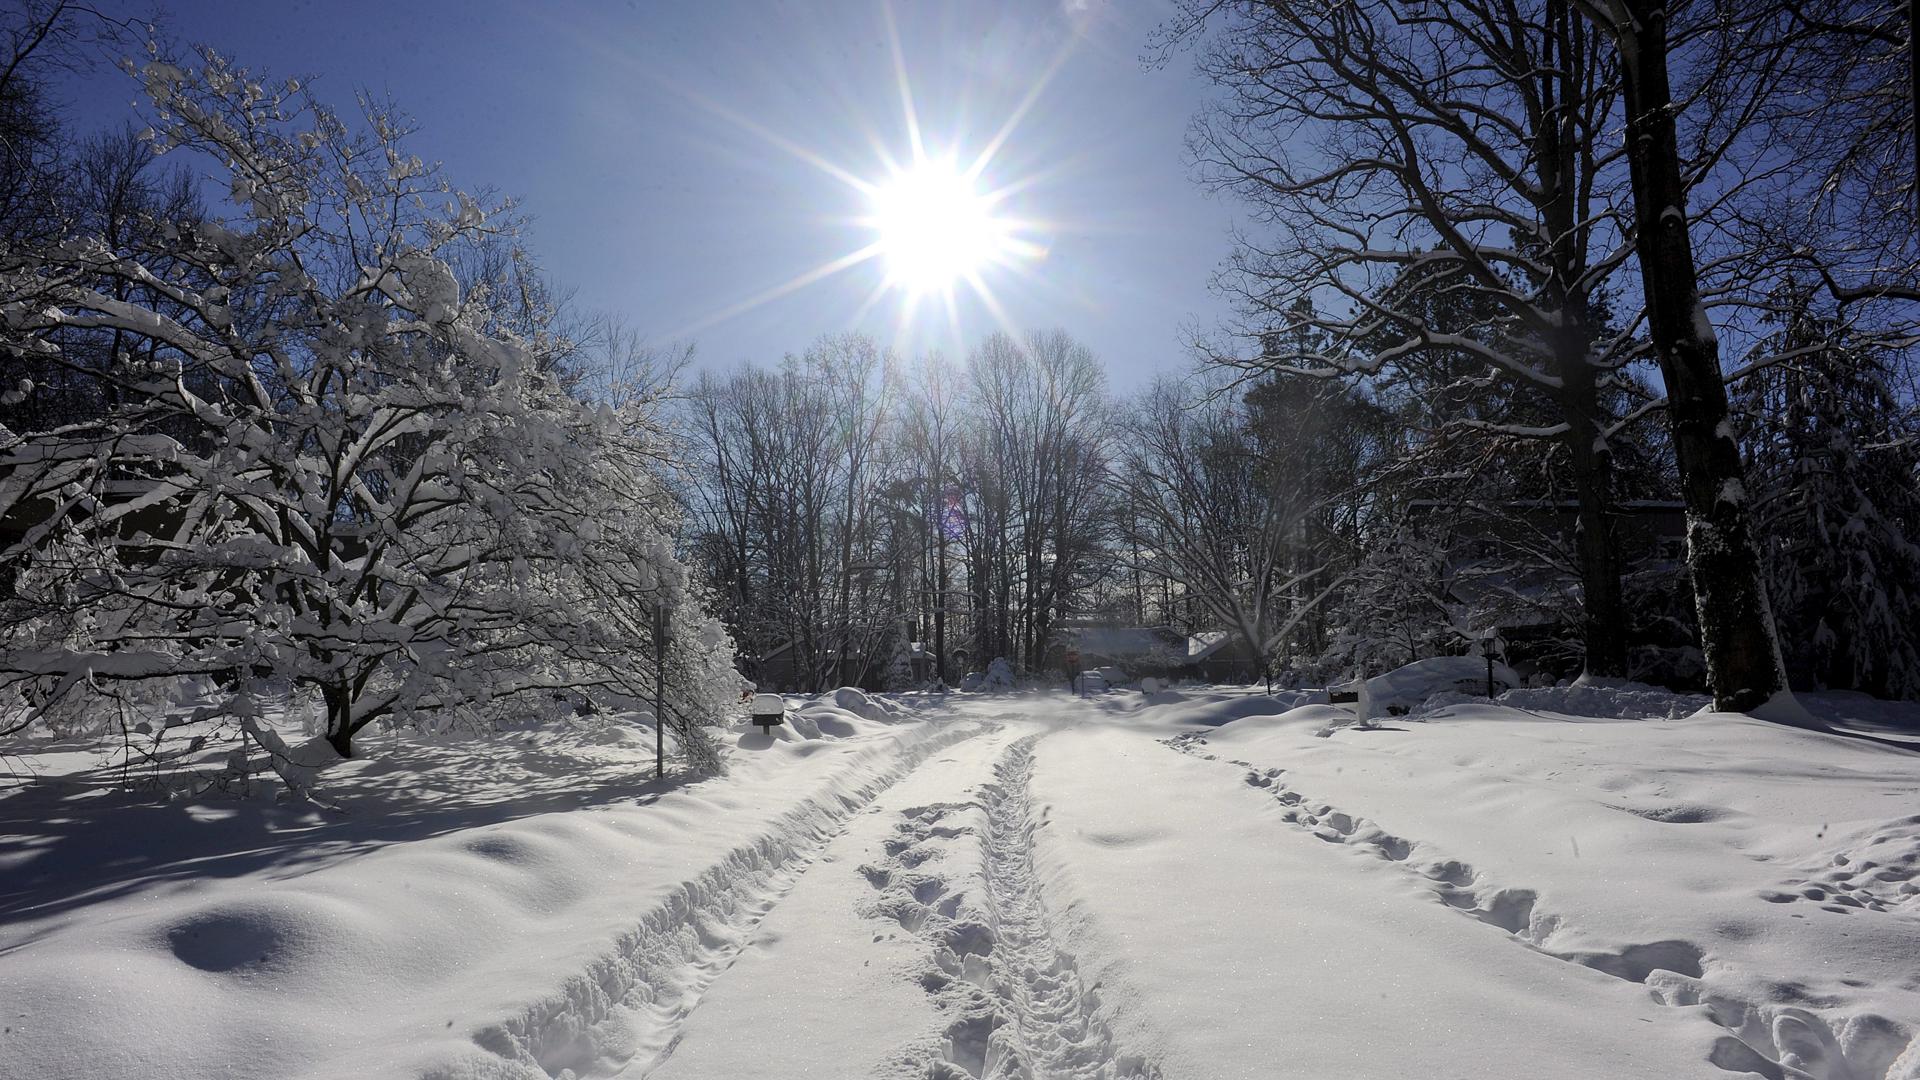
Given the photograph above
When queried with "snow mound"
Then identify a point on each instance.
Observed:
(1404, 688)
(999, 675)
(1219, 710)
(798, 726)
(255, 936)
(858, 702)
(840, 722)
(1607, 700)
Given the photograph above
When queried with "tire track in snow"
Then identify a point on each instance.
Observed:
(1020, 1007)
(624, 1013)
(1777, 1042)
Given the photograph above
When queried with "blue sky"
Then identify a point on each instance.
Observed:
(661, 151)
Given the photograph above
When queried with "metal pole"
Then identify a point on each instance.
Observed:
(660, 691)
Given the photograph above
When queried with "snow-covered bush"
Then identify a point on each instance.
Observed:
(999, 676)
(896, 669)
(328, 467)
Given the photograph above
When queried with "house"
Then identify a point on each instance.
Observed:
(1161, 651)
(1510, 566)
(1221, 656)
(1136, 650)
(786, 668)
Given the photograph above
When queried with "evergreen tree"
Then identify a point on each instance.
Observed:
(1838, 510)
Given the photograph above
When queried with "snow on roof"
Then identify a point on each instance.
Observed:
(1206, 643)
(1119, 641)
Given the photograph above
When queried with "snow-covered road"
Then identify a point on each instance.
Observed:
(1032, 886)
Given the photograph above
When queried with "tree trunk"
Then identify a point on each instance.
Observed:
(1603, 615)
(339, 720)
(940, 594)
(1736, 627)
(1564, 86)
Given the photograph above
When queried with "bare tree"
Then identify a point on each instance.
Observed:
(1736, 626)
(787, 505)
(1235, 522)
(1033, 465)
(929, 432)
(1439, 195)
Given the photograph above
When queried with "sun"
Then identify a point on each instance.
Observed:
(947, 223)
(934, 228)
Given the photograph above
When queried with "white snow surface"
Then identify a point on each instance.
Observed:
(1213, 883)
(1610, 700)
(1409, 685)
(509, 906)
(862, 704)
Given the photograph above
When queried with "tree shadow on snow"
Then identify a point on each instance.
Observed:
(79, 839)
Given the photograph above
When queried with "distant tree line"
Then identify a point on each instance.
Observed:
(846, 506)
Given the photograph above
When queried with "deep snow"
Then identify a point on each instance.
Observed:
(1585, 883)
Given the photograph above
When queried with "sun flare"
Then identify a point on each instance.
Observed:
(945, 228)
(934, 228)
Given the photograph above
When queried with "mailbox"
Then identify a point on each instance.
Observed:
(768, 711)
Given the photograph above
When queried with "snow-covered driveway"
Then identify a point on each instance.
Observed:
(1072, 898)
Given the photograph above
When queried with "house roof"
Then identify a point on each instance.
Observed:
(1204, 644)
(1125, 641)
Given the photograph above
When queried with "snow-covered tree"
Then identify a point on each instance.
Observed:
(1833, 475)
(322, 463)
